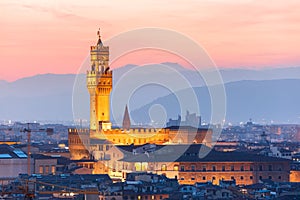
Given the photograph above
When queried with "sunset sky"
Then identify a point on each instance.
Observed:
(54, 36)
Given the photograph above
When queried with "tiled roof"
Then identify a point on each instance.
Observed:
(190, 153)
(9, 152)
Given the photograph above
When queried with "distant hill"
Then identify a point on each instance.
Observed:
(276, 100)
(271, 94)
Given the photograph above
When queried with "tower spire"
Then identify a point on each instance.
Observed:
(99, 38)
(126, 119)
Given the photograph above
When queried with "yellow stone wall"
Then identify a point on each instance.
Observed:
(295, 176)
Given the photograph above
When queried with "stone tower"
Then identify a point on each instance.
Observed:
(99, 84)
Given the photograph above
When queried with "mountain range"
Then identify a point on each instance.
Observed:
(266, 94)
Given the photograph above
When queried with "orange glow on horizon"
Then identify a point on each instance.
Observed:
(54, 36)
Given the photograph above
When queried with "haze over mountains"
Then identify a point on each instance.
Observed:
(269, 94)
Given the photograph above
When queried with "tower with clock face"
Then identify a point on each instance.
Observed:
(99, 84)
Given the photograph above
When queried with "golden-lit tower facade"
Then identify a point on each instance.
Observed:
(99, 84)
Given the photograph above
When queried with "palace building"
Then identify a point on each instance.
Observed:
(173, 151)
(99, 81)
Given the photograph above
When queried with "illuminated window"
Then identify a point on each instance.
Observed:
(53, 169)
(144, 166)
(41, 169)
(163, 167)
(138, 166)
(175, 168)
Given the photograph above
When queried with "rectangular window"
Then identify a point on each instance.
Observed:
(204, 168)
(175, 168)
(46, 169)
(213, 168)
(181, 168)
(232, 168)
(270, 167)
(242, 168)
(260, 168)
(251, 168)
(53, 169)
(163, 167)
(41, 169)
(193, 167)
(251, 177)
(203, 178)
(223, 168)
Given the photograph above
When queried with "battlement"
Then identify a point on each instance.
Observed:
(99, 48)
(99, 73)
(97, 78)
(120, 131)
(79, 131)
(141, 131)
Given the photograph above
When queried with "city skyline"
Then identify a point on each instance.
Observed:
(202, 106)
(51, 37)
